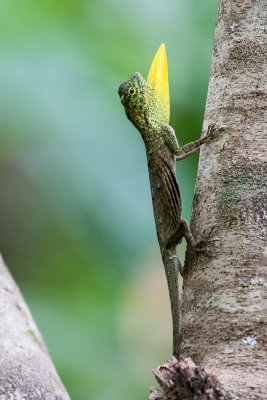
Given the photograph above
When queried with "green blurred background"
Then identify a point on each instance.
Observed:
(76, 221)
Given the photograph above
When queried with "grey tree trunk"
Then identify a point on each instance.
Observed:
(224, 301)
(26, 370)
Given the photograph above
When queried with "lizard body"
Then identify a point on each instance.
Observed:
(144, 110)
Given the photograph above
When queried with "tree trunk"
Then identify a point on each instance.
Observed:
(224, 307)
(26, 370)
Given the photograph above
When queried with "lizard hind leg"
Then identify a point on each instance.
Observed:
(192, 243)
(188, 234)
(183, 230)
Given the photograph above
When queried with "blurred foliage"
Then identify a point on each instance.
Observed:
(76, 222)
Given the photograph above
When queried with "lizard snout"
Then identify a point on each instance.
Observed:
(121, 92)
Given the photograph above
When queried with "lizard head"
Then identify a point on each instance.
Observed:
(132, 95)
(147, 103)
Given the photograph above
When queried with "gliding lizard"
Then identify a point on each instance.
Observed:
(145, 108)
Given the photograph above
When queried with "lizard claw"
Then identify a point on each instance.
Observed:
(213, 128)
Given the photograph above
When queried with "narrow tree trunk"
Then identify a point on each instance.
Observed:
(26, 370)
(224, 302)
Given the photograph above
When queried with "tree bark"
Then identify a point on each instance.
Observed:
(224, 306)
(26, 370)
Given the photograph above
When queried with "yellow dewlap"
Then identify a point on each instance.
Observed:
(158, 79)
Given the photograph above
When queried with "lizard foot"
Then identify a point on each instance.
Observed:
(199, 245)
(213, 129)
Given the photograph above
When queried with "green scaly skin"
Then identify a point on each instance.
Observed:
(143, 110)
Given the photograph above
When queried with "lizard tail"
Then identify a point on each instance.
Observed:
(172, 265)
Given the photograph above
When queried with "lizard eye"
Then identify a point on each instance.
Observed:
(132, 90)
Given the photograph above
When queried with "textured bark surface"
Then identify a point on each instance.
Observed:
(224, 303)
(26, 370)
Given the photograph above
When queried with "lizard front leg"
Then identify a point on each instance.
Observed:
(190, 148)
